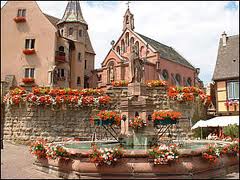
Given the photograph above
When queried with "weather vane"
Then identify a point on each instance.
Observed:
(128, 4)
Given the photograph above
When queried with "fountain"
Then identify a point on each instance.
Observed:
(140, 103)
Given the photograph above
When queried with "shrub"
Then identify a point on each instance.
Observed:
(231, 130)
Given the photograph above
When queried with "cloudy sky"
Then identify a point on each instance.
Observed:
(191, 28)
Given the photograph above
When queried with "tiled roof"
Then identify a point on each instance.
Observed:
(227, 65)
(167, 52)
(73, 13)
(52, 19)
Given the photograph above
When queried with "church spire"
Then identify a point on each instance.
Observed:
(73, 13)
(128, 21)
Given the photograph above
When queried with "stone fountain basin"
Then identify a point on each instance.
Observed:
(137, 163)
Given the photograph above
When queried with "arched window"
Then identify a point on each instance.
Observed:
(131, 41)
(189, 81)
(127, 20)
(62, 32)
(127, 38)
(118, 50)
(70, 31)
(78, 81)
(142, 51)
(178, 79)
(110, 72)
(61, 49)
(165, 74)
(137, 45)
(122, 46)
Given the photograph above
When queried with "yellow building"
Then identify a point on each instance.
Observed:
(226, 76)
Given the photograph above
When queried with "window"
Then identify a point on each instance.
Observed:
(85, 64)
(80, 33)
(29, 72)
(233, 90)
(62, 32)
(178, 79)
(61, 49)
(79, 57)
(60, 73)
(158, 65)
(165, 74)
(189, 81)
(122, 46)
(127, 38)
(137, 46)
(78, 81)
(131, 41)
(110, 72)
(29, 43)
(127, 20)
(99, 77)
(70, 31)
(118, 50)
(21, 13)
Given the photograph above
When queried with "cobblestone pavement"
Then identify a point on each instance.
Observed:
(16, 163)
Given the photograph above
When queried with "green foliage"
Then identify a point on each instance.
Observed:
(231, 130)
(197, 133)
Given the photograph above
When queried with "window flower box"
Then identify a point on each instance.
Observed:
(29, 51)
(165, 117)
(28, 80)
(20, 19)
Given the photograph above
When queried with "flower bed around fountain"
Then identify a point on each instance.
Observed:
(140, 163)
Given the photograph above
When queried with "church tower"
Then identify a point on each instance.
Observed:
(128, 20)
(73, 26)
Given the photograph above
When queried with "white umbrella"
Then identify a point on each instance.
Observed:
(222, 121)
(201, 124)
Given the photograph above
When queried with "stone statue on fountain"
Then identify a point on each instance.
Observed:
(136, 69)
(136, 66)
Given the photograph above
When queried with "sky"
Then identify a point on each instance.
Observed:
(192, 28)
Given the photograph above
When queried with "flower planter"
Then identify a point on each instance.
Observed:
(29, 51)
(19, 19)
(28, 80)
(165, 122)
(107, 122)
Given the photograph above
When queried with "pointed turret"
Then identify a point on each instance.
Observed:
(73, 13)
(128, 21)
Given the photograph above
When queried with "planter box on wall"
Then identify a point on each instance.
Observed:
(20, 19)
(29, 51)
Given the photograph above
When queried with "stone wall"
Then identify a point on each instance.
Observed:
(25, 124)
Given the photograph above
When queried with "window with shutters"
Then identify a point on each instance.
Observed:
(233, 90)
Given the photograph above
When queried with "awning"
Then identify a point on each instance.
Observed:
(217, 121)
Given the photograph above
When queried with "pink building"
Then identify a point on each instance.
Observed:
(161, 61)
(46, 50)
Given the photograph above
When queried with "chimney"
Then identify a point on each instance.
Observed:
(224, 39)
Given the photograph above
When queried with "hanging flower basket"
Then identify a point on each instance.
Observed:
(29, 51)
(20, 19)
(107, 122)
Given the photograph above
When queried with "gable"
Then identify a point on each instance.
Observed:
(112, 56)
(227, 64)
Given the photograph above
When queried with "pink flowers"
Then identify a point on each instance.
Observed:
(232, 102)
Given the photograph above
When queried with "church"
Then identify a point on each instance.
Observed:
(161, 62)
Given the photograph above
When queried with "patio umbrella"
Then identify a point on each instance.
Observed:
(200, 124)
